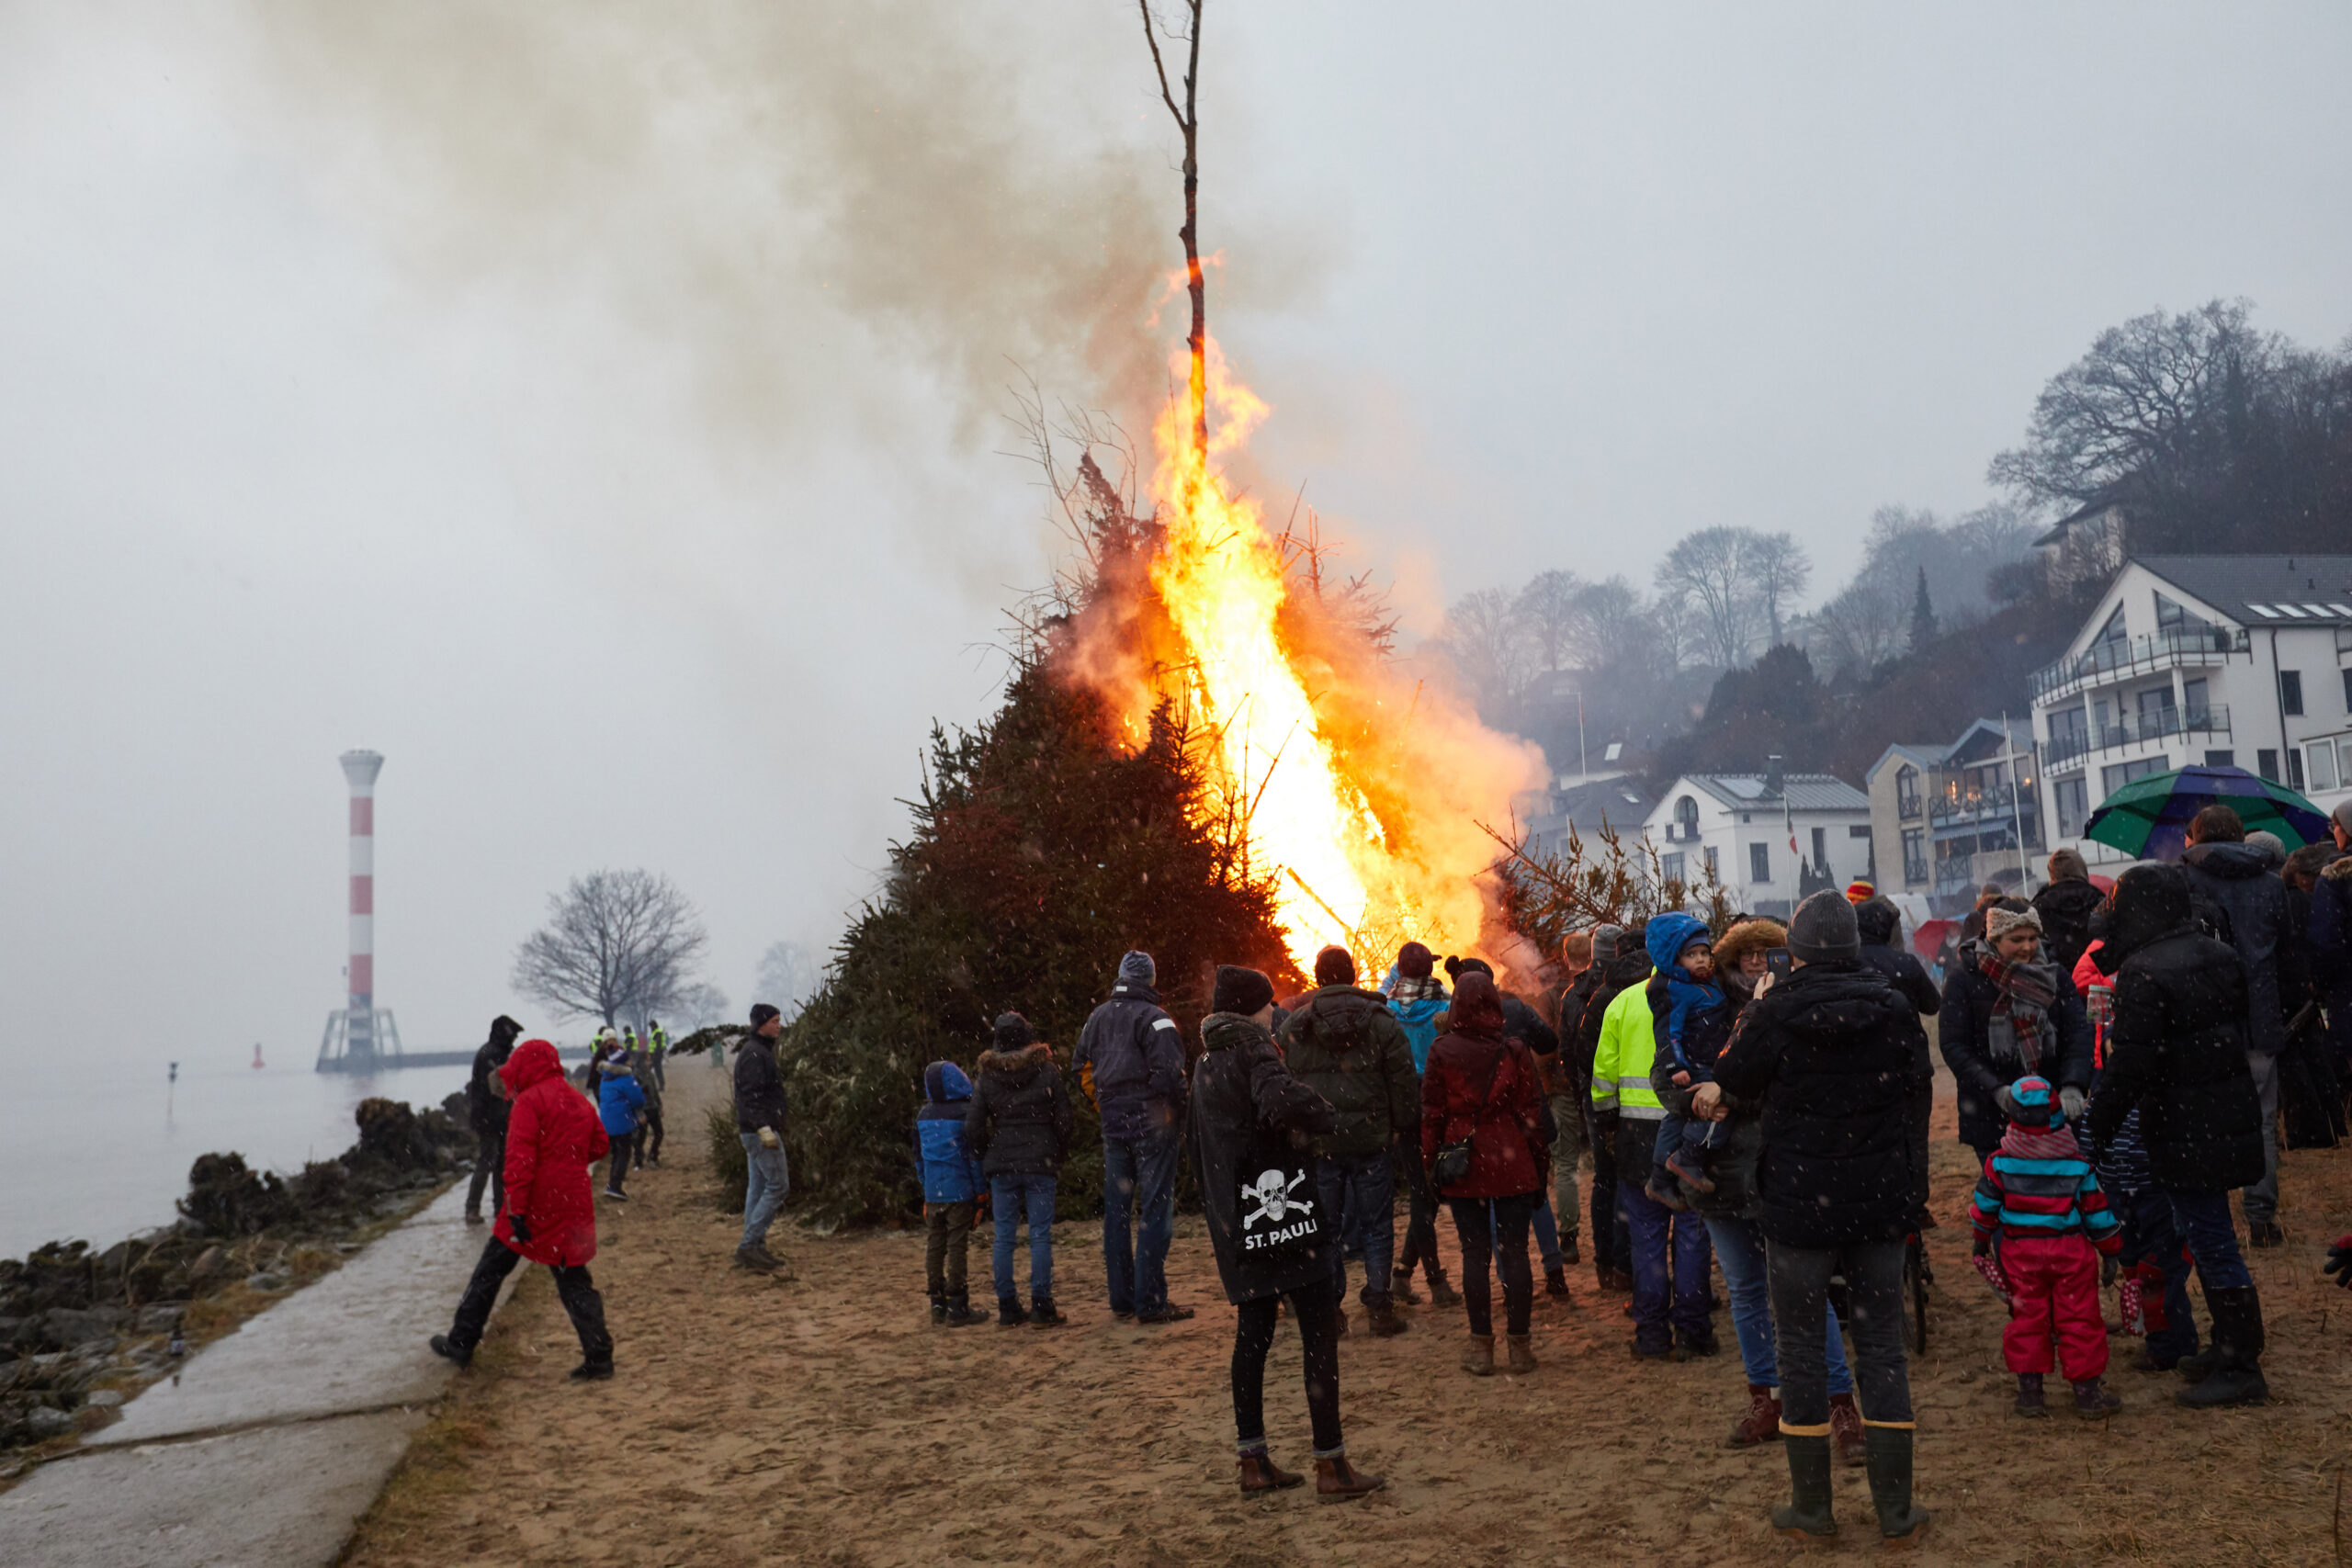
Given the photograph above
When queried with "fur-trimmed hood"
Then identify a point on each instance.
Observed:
(1026, 1059)
(1749, 936)
(2338, 869)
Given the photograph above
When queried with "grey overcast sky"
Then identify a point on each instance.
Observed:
(600, 417)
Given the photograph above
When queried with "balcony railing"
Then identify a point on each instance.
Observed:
(1993, 800)
(2165, 721)
(1908, 807)
(1914, 872)
(2125, 656)
(1955, 873)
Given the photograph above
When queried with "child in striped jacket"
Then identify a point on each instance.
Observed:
(2040, 1211)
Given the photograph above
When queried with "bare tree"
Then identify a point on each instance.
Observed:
(1547, 609)
(1488, 643)
(1859, 629)
(1188, 122)
(617, 944)
(1711, 571)
(1780, 568)
(788, 977)
(1606, 620)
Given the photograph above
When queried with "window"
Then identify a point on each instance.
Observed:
(1686, 820)
(2111, 637)
(1906, 789)
(1672, 865)
(1760, 862)
(2194, 702)
(2073, 806)
(1714, 863)
(2347, 691)
(1914, 856)
(2266, 763)
(1821, 850)
(1860, 830)
(2222, 757)
(2169, 615)
(2290, 691)
(2115, 778)
(2319, 763)
(2294, 769)
(2158, 716)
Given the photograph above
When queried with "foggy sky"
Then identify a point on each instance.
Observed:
(644, 505)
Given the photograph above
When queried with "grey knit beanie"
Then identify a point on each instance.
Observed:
(1823, 930)
(1137, 970)
(1604, 943)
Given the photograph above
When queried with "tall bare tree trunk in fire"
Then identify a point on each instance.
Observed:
(1187, 121)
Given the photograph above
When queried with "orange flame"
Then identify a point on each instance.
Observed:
(1361, 790)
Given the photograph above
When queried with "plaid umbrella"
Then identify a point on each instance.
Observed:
(2148, 817)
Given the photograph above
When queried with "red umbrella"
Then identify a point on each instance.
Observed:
(2104, 883)
(1929, 938)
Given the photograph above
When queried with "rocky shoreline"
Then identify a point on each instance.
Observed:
(81, 1330)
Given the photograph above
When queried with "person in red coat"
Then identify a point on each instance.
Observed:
(553, 1135)
(1482, 1086)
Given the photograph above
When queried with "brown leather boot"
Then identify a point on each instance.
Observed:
(1441, 1293)
(1762, 1423)
(1337, 1481)
(1386, 1323)
(1522, 1357)
(1478, 1361)
(1260, 1473)
(1845, 1430)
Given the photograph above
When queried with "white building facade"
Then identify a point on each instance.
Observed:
(1739, 829)
(2225, 660)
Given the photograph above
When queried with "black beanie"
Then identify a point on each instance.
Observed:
(1333, 966)
(761, 1012)
(1824, 928)
(1414, 962)
(1013, 1032)
(1240, 991)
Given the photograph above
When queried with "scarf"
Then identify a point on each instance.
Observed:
(2018, 1029)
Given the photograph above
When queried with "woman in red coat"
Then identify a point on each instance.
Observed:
(1483, 1088)
(553, 1135)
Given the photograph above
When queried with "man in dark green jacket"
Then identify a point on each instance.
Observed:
(1347, 1045)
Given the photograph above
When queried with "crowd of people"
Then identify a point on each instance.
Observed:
(1752, 1095)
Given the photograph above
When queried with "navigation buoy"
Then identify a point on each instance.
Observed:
(256, 1055)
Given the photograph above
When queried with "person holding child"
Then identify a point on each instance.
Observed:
(2039, 1214)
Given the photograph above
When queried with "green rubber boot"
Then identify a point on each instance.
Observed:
(1886, 1450)
(1807, 1516)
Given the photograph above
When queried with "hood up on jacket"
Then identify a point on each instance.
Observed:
(2231, 862)
(2151, 902)
(533, 1061)
(945, 1081)
(1018, 1063)
(1477, 1007)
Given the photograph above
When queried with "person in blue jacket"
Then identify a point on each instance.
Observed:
(952, 1186)
(622, 1104)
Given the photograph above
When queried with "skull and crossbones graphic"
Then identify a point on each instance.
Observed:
(1275, 1197)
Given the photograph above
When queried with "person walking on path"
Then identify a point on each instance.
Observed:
(761, 1107)
(2229, 875)
(1619, 955)
(622, 1103)
(1830, 1055)
(552, 1137)
(2040, 1215)
(1416, 997)
(1249, 1126)
(1020, 1124)
(2008, 1010)
(1733, 1208)
(2065, 907)
(1482, 1108)
(1346, 1045)
(1130, 1061)
(1670, 1249)
(486, 1111)
(952, 1184)
(2177, 1051)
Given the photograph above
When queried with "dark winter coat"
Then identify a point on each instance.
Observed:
(1630, 968)
(484, 1110)
(1020, 1120)
(1739, 1137)
(944, 1164)
(2239, 881)
(2176, 1048)
(1560, 1075)
(1244, 1098)
(1508, 1124)
(1346, 1045)
(1136, 1054)
(553, 1135)
(1907, 975)
(2329, 933)
(2065, 910)
(1830, 1052)
(760, 1099)
(1961, 1030)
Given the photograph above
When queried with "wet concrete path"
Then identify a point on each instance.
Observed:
(270, 1444)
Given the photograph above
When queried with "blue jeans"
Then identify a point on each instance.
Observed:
(2150, 1235)
(764, 1195)
(2203, 1221)
(1138, 1180)
(1657, 1232)
(1012, 1197)
(1360, 1192)
(1546, 1229)
(1739, 1247)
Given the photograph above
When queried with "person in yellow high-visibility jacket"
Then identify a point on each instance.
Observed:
(1624, 1103)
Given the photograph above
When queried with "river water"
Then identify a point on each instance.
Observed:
(98, 1156)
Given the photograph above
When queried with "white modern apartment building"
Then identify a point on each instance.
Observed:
(2243, 661)
(1739, 827)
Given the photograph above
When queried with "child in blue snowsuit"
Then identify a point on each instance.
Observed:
(621, 1103)
(953, 1187)
(1683, 950)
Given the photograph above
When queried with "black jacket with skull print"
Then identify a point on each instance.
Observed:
(1246, 1106)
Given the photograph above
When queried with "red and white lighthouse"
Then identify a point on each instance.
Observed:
(361, 1035)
